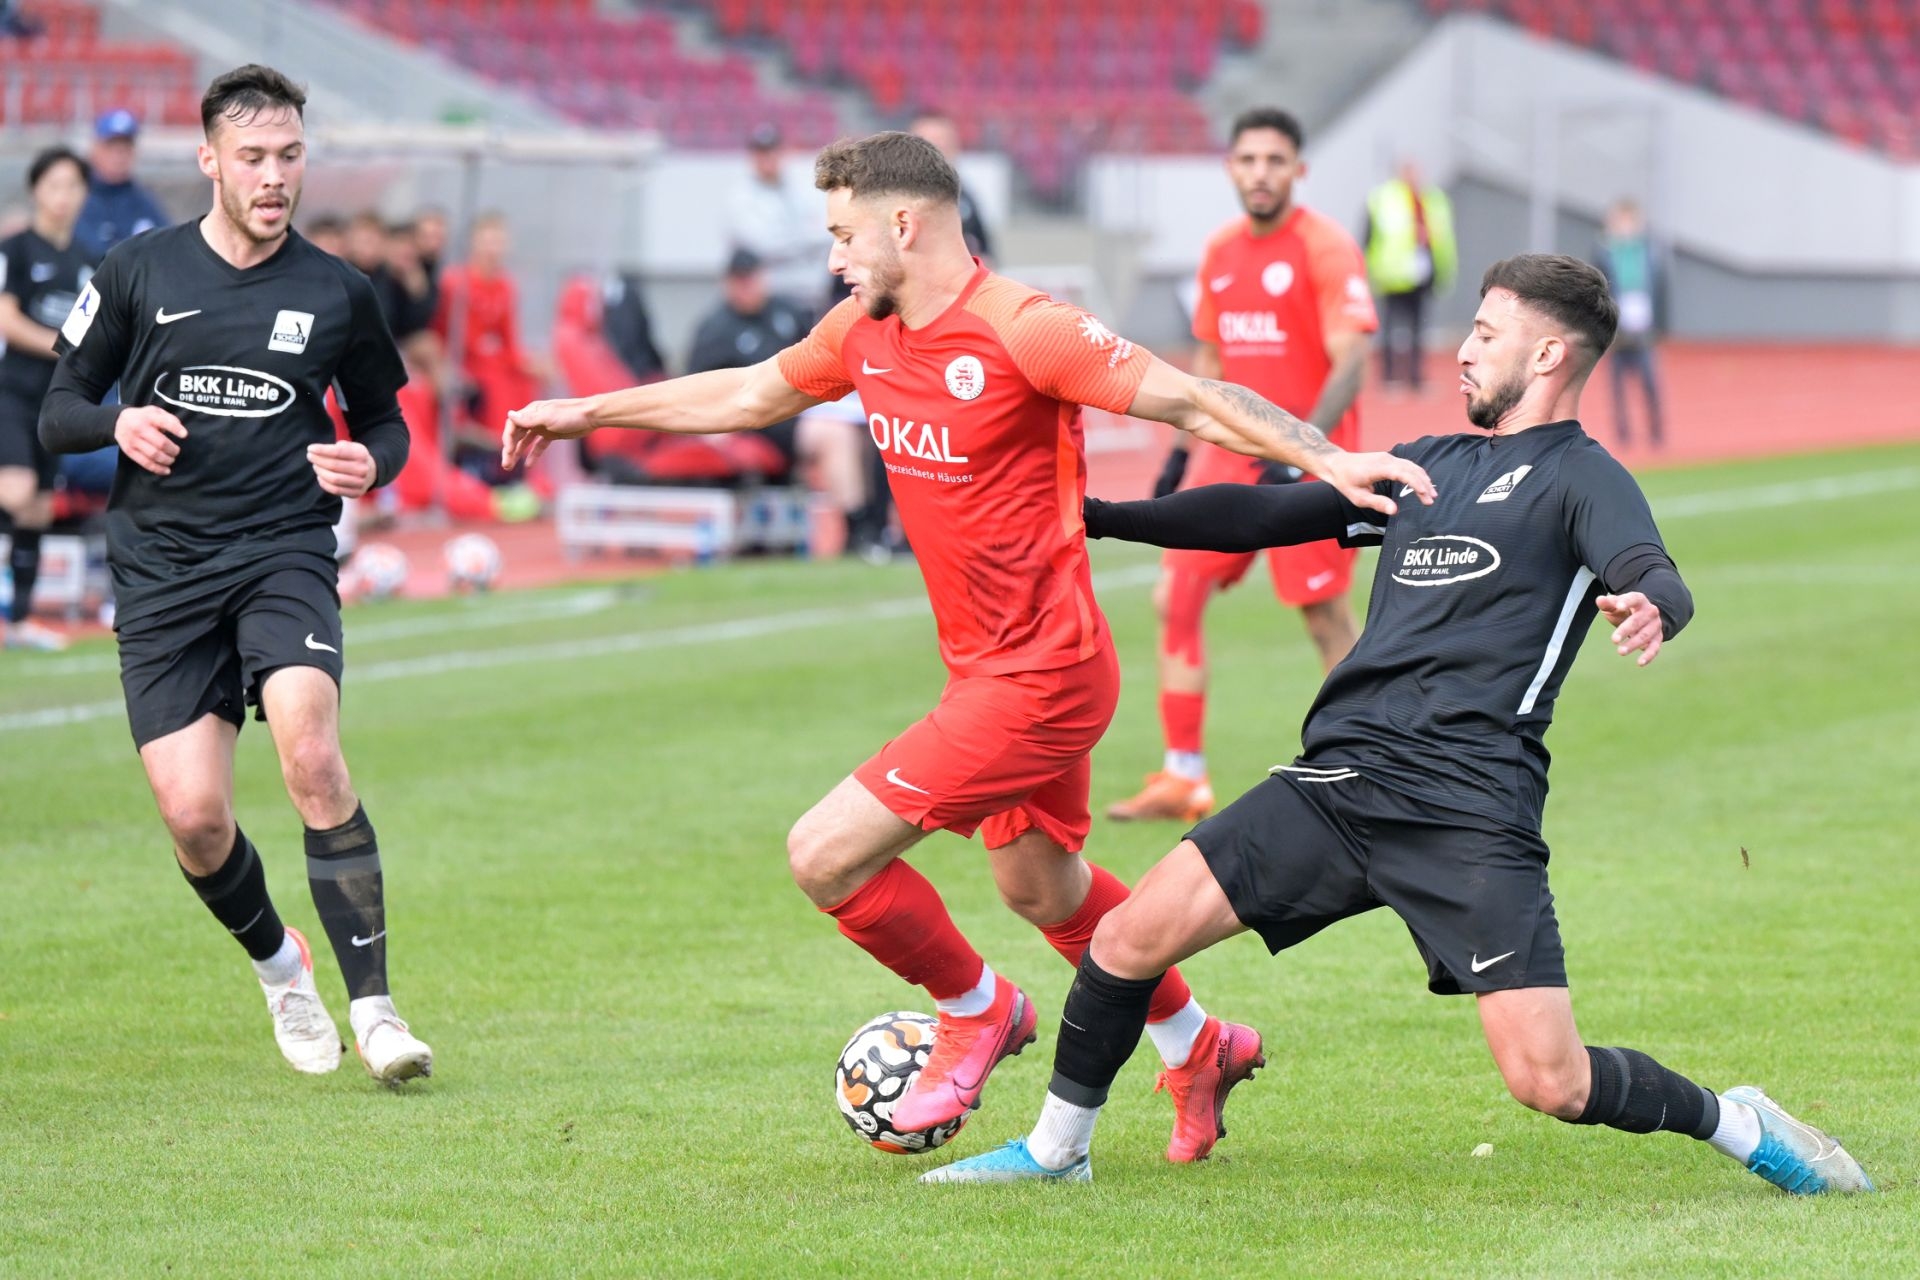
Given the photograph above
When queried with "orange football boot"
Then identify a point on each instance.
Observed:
(1166, 797)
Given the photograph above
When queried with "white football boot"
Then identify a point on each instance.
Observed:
(306, 1034)
(390, 1052)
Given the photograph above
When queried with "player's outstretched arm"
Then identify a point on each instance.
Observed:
(1235, 418)
(1223, 517)
(697, 404)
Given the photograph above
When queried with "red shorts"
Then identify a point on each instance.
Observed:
(1307, 574)
(1003, 755)
(1302, 575)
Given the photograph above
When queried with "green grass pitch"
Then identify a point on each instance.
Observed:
(583, 795)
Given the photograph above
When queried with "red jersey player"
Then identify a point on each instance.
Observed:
(1284, 309)
(491, 356)
(972, 385)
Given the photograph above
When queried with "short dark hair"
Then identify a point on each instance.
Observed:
(245, 92)
(1268, 118)
(51, 157)
(887, 164)
(1569, 292)
(325, 223)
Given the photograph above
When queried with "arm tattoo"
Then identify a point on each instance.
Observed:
(1248, 406)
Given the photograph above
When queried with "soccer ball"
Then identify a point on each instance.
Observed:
(876, 1067)
(473, 562)
(378, 571)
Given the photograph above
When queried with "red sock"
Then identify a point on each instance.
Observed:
(898, 919)
(1181, 717)
(1071, 936)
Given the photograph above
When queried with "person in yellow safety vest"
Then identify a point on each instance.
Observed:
(1410, 255)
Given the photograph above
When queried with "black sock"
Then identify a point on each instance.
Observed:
(1631, 1091)
(343, 870)
(237, 896)
(25, 563)
(1099, 1028)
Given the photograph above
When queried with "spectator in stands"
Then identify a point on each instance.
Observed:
(328, 234)
(479, 299)
(15, 23)
(1631, 262)
(751, 324)
(628, 328)
(408, 298)
(1410, 256)
(430, 236)
(366, 242)
(780, 223)
(118, 207)
(938, 128)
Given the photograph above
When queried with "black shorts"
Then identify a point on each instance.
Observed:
(212, 653)
(20, 437)
(1313, 844)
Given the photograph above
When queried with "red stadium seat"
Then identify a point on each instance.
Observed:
(1851, 67)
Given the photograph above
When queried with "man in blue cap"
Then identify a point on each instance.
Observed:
(118, 208)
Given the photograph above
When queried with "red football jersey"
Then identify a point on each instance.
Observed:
(977, 414)
(1269, 302)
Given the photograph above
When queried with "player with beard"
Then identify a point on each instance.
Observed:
(972, 385)
(224, 335)
(1284, 309)
(1422, 776)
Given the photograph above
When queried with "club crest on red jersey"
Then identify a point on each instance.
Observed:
(1277, 278)
(966, 378)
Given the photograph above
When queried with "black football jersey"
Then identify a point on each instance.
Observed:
(45, 280)
(244, 358)
(1479, 605)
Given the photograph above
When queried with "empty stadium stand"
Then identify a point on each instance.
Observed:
(1851, 67)
(68, 72)
(1047, 81)
(611, 72)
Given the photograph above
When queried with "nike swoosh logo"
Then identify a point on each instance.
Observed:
(1405, 489)
(869, 369)
(249, 924)
(970, 1089)
(1319, 580)
(315, 644)
(1479, 964)
(1220, 282)
(893, 776)
(359, 941)
(161, 316)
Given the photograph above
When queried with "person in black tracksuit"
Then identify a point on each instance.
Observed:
(224, 335)
(42, 271)
(1422, 775)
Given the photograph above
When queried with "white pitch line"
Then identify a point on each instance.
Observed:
(703, 633)
(496, 612)
(1786, 493)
